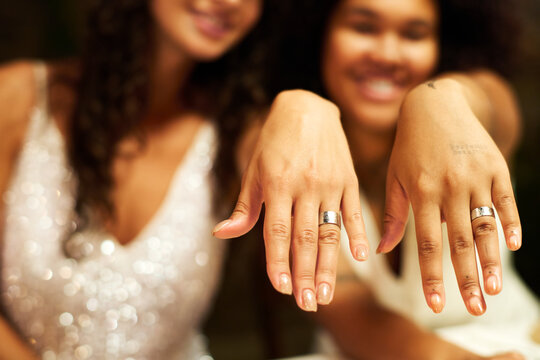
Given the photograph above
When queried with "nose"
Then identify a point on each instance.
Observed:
(387, 50)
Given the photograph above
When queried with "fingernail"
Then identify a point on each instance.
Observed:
(323, 294)
(514, 239)
(361, 252)
(220, 226)
(285, 286)
(308, 299)
(436, 303)
(492, 283)
(476, 306)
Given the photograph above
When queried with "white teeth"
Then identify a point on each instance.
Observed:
(381, 86)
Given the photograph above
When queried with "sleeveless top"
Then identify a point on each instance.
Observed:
(510, 316)
(144, 300)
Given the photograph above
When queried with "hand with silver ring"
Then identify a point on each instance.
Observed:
(301, 166)
(330, 217)
(446, 164)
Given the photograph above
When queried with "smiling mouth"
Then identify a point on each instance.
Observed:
(211, 25)
(380, 90)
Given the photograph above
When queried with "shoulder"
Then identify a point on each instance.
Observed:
(17, 85)
(17, 96)
(17, 88)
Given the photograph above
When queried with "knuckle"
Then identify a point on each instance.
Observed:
(427, 247)
(454, 180)
(461, 245)
(504, 200)
(355, 216)
(329, 236)
(279, 231)
(277, 182)
(484, 227)
(390, 218)
(425, 188)
(304, 276)
(432, 283)
(469, 285)
(306, 237)
(326, 273)
(490, 267)
(241, 208)
(276, 265)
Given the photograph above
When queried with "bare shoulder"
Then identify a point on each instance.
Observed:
(17, 97)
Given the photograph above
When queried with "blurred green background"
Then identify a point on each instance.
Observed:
(250, 320)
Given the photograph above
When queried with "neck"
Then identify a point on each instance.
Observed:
(169, 72)
(371, 153)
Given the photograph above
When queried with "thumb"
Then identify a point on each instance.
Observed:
(396, 214)
(245, 213)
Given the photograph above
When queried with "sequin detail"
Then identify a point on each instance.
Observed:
(141, 301)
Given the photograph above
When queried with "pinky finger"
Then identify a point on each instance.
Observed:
(505, 203)
(354, 223)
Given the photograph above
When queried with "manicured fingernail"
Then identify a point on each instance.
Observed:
(361, 252)
(476, 306)
(492, 283)
(514, 239)
(324, 294)
(436, 303)
(220, 226)
(285, 285)
(308, 300)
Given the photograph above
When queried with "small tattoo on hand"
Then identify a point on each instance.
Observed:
(467, 149)
(431, 84)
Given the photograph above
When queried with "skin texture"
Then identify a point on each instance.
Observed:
(207, 30)
(438, 144)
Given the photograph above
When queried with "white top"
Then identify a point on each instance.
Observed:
(510, 315)
(144, 300)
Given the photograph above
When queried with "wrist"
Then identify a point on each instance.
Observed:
(306, 102)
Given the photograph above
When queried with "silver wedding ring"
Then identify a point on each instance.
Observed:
(330, 217)
(482, 211)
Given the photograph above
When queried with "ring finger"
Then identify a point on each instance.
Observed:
(328, 250)
(457, 215)
(485, 235)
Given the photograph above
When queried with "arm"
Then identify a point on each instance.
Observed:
(12, 346)
(363, 329)
(16, 100)
(453, 135)
(299, 165)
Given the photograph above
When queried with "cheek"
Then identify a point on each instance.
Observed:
(338, 52)
(424, 59)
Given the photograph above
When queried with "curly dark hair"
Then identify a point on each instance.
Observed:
(472, 34)
(113, 87)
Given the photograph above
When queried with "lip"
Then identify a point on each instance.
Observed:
(210, 24)
(378, 89)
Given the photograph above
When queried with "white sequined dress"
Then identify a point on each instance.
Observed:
(145, 300)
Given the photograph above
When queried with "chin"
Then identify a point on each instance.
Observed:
(376, 118)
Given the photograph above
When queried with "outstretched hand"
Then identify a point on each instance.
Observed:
(301, 166)
(445, 164)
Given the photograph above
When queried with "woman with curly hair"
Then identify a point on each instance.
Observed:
(431, 123)
(107, 181)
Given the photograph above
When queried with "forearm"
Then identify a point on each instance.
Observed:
(12, 346)
(365, 330)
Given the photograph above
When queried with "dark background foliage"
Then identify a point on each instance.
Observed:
(250, 320)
